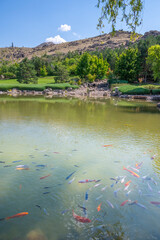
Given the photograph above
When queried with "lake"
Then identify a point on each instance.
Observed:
(63, 140)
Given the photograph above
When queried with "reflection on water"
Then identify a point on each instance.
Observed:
(58, 137)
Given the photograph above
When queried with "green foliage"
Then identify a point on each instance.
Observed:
(26, 72)
(61, 73)
(154, 60)
(130, 11)
(127, 66)
(92, 67)
(43, 71)
(36, 87)
(9, 75)
(134, 89)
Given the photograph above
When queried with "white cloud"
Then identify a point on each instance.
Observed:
(64, 28)
(56, 40)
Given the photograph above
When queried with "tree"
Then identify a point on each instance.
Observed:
(26, 72)
(61, 72)
(83, 66)
(154, 60)
(127, 67)
(43, 71)
(130, 11)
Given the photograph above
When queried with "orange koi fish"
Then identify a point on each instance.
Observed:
(14, 216)
(138, 165)
(127, 183)
(99, 207)
(123, 203)
(110, 145)
(80, 219)
(45, 176)
(133, 173)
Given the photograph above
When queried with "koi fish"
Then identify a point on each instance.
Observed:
(132, 203)
(46, 192)
(146, 178)
(20, 186)
(45, 176)
(110, 145)
(110, 204)
(80, 219)
(126, 188)
(99, 207)
(97, 185)
(153, 181)
(56, 152)
(64, 211)
(122, 181)
(86, 196)
(22, 167)
(82, 207)
(128, 192)
(7, 166)
(135, 169)
(45, 211)
(133, 173)
(140, 205)
(116, 191)
(123, 203)
(99, 197)
(138, 165)
(40, 165)
(38, 206)
(2, 162)
(127, 183)
(86, 181)
(155, 203)
(71, 181)
(17, 161)
(70, 175)
(15, 216)
(104, 188)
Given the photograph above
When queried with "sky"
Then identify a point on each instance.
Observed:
(29, 23)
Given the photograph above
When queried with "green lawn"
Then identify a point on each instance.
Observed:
(45, 80)
(134, 89)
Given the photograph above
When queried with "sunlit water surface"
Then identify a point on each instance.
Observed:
(67, 136)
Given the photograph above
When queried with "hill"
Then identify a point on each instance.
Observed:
(121, 38)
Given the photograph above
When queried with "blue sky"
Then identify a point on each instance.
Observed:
(30, 22)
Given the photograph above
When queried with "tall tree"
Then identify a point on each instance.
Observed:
(154, 60)
(127, 67)
(130, 11)
(26, 72)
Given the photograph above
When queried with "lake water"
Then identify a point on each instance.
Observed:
(68, 136)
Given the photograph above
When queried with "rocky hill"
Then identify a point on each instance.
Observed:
(89, 44)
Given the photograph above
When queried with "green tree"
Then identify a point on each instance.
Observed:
(83, 66)
(127, 10)
(61, 73)
(154, 60)
(26, 72)
(127, 67)
(43, 71)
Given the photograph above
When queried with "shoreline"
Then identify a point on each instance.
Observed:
(92, 90)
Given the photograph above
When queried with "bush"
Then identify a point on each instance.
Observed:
(116, 81)
(155, 91)
(36, 87)
(9, 75)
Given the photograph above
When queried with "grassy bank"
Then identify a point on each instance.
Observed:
(137, 89)
(42, 80)
(36, 87)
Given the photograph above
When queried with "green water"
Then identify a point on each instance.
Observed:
(68, 135)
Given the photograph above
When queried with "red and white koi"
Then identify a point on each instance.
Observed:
(123, 203)
(127, 183)
(133, 173)
(80, 219)
(86, 181)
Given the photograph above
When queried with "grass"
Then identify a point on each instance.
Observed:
(36, 87)
(137, 89)
(44, 80)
